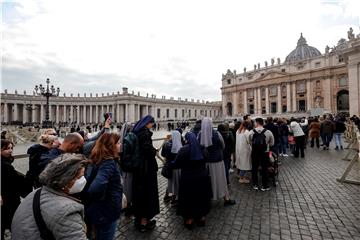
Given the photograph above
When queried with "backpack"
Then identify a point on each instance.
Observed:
(130, 160)
(259, 141)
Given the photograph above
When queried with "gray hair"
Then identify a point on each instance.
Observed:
(62, 170)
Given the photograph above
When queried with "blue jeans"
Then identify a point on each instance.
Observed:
(283, 144)
(242, 173)
(106, 231)
(338, 139)
(275, 148)
(327, 139)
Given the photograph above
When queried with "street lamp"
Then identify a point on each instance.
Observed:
(47, 92)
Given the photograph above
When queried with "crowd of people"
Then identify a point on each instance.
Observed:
(78, 188)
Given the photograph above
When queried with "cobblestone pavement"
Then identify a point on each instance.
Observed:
(308, 203)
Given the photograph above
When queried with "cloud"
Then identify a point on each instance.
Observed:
(172, 48)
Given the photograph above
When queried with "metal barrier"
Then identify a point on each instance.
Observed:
(352, 135)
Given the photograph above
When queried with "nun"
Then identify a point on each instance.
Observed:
(195, 185)
(214, 145)
(169, 151)
(145, 195)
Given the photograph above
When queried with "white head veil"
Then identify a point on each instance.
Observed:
(206, 132)
(176, 141)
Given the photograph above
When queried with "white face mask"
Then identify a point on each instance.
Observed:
(78, 185)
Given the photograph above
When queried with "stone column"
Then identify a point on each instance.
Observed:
(138, 112)
(279, 105)
(57, 113)
(259, 101)
(64, 113)
(132, 112)
(327, 94)
(16, 112)
(33, 113)
(235, 103)
(42, 113)
(288, 98)
(6, 113)
(245, 101)
(308, 95)
(255, 101)
(267, 108)
(118, 112)
(71, 113)
(84, 113)
(78, 114)
(25, 114)
(96, 113)
(91, 114)
(294, 96)
(126, 112)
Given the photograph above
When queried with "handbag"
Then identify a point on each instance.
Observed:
(167, 170)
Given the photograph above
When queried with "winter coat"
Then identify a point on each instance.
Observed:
(35, 152)
(327, 127)
(104, 193)
(45, 159)
(339, 127)
(62, 214)
(314, 130)
(274, 130)
(215, 151)
(296, 129)
(13, 186)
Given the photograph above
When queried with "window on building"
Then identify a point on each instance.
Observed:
(189, 113)
(318, 84)
(263, 93)
(229, 81)
(302, 105)
(167, 113)
(341, 59)
(317, 64)
(300, 87)
(273, 91)
(183, 113)
(158, 113)
(250, 93)
(210, 113)
(284, 108)
(283, 90)
(175, 113)
(263, 110)
(283, 70)
(251, 109)
(300, 67)
(342, 81)
(273, 106)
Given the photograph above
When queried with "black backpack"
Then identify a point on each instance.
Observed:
(131, 158)
(259, 141)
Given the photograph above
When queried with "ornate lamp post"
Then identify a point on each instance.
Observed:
(47, 92)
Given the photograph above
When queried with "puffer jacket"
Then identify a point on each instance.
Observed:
(62, 214)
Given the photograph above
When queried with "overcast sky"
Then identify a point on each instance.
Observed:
(168, 47)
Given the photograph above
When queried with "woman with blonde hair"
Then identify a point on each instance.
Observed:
(46, 142)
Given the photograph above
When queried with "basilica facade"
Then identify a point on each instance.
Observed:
(308, 82)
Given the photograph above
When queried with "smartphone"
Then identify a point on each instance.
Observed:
(108, 115)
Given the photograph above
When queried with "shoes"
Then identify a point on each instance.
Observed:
(231, 170)
(324, 148)
(255, 187)
(337, 148)
(244, 180)
(229, 203)
(285, 155)
(264, 189)
(281, 154)
(150, 225)
(341, 147)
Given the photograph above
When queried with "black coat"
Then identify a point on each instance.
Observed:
(195, 191)
(145, 186)
(275, 131)
(13, 186)
(35, 152)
